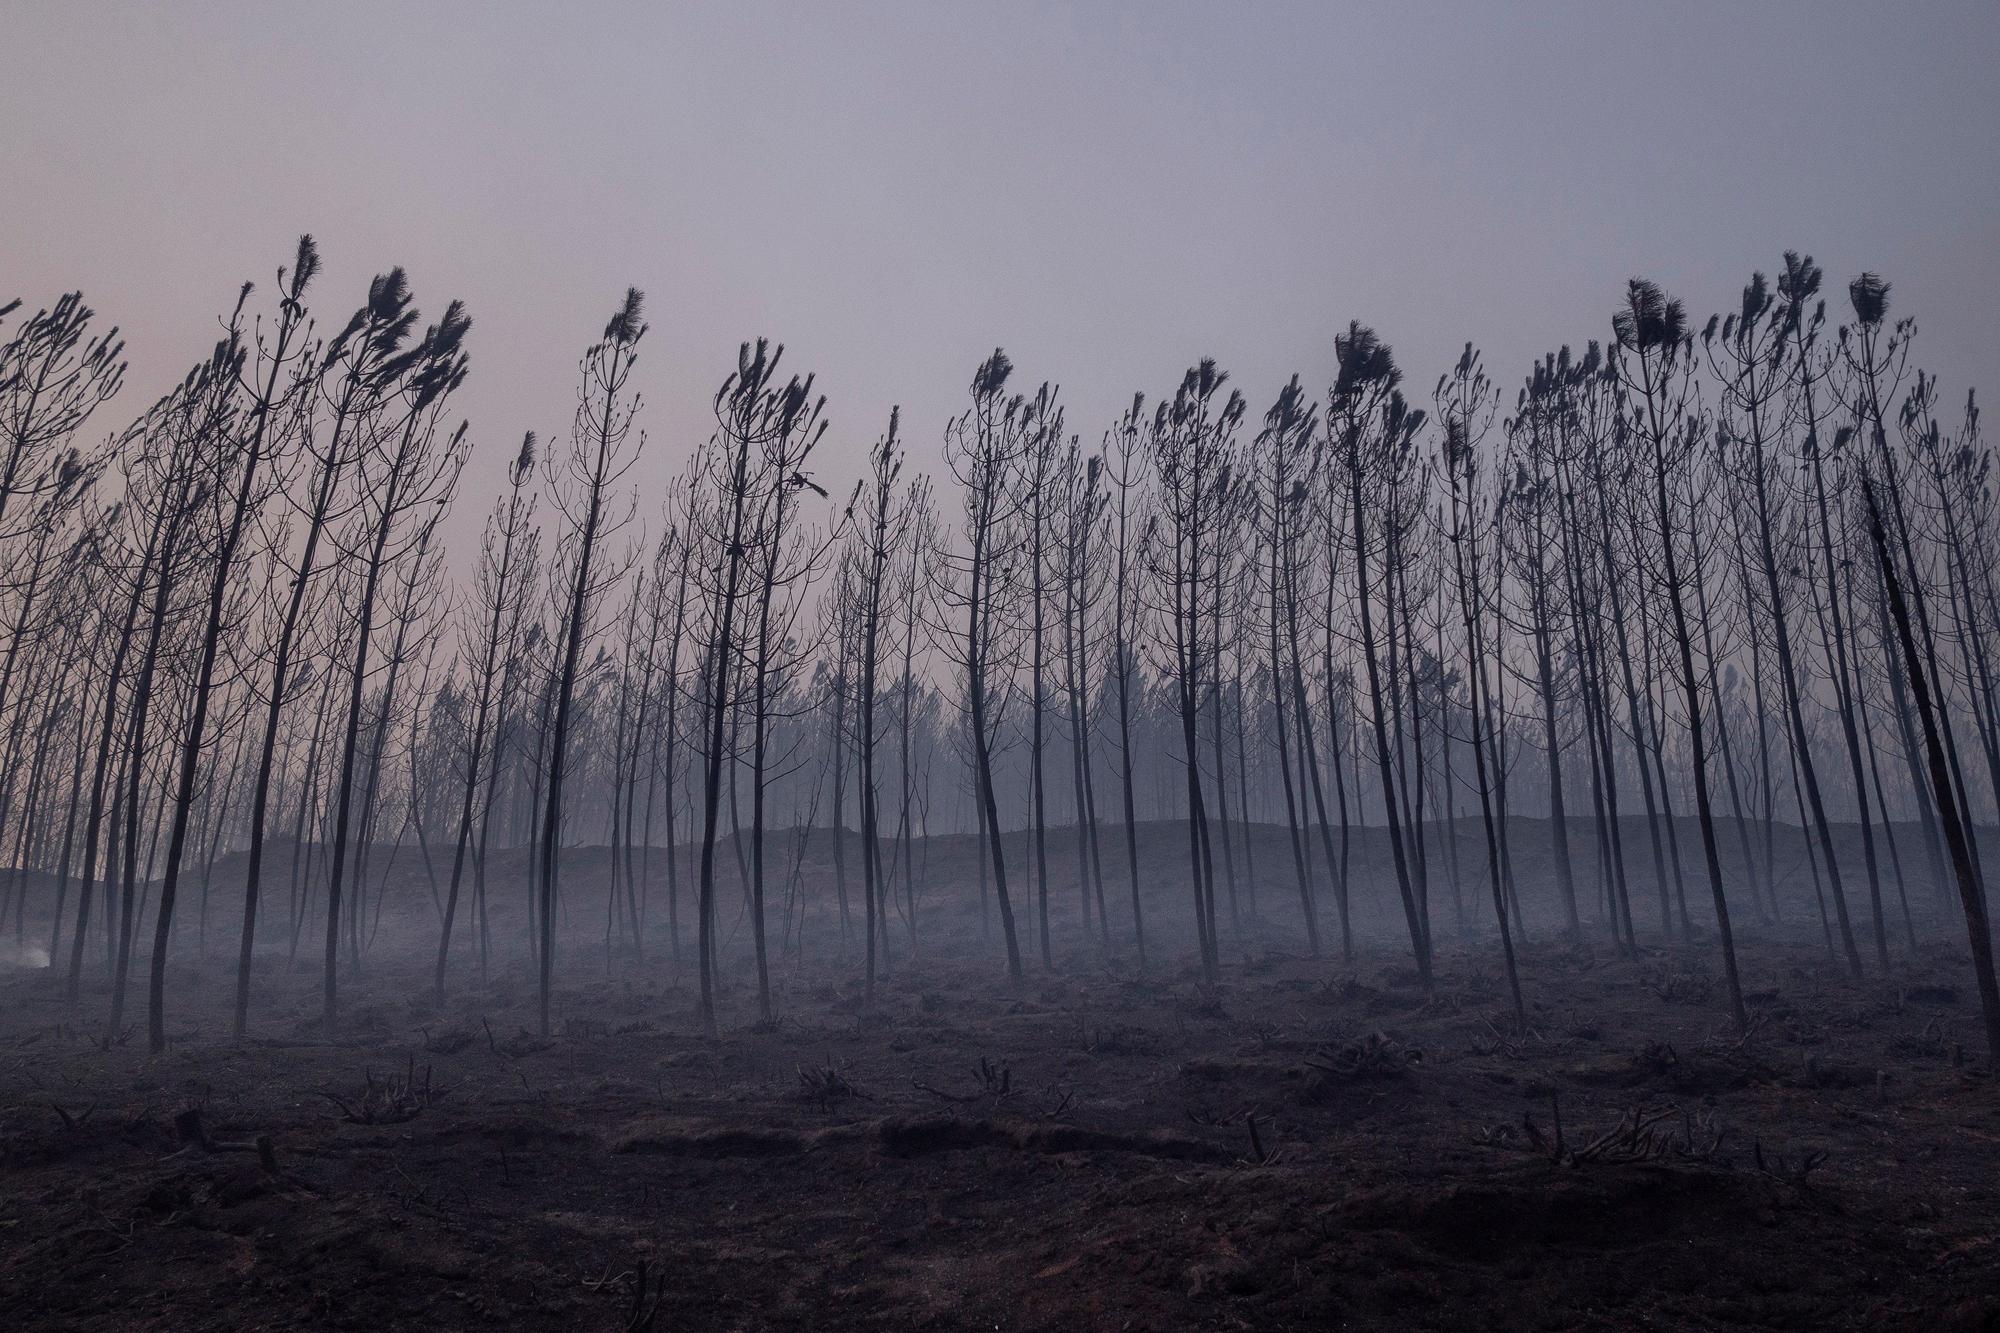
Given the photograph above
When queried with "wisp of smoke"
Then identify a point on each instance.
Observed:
(28, 957)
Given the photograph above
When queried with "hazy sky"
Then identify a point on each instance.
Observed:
(1110, 191)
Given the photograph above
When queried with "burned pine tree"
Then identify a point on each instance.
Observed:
(581, 482)
(786, 556)
(1655, 351)
(1370, 429)
(1192, 451)
(404, 478)
(984, 448)
(192, 422)
(1530, 552)
(1036, 504)
(1465, 406)
(508, 561)
(1286, 458)
(753, 412)
(355, 372)
(1126, 461)
(1081, 579)
(884, 517)
(278, 375)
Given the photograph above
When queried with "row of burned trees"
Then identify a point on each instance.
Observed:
(1744, 568)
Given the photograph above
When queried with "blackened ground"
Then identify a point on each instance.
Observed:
(1312, 1144)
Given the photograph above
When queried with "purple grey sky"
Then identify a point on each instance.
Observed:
(1108, 190)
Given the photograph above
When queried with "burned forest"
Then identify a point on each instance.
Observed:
(1491, 839)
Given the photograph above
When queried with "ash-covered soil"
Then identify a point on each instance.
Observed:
(1312, 1144)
